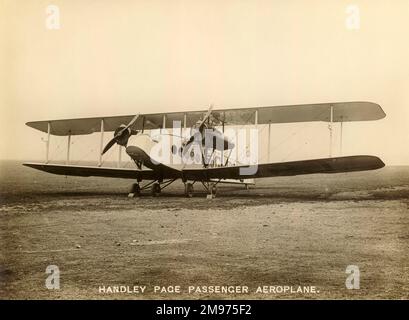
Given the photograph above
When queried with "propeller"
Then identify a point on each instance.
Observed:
(215, 136)
(122, 134)
(200, 126)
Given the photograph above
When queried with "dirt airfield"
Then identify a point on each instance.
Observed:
(294, 231)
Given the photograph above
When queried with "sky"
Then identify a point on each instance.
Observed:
(127, 57)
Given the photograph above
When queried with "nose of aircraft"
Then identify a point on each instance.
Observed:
(135, 153)
(138, 155)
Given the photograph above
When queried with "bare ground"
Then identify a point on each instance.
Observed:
(288, 231)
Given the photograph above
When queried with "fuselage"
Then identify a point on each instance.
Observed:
(164, 149)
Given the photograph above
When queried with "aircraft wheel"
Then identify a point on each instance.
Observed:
(214, 189)
(135, 189)
(189, 190)
(155, 189)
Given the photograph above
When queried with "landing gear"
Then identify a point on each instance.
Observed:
(212, 189)
(189, 189)
(155, 189)
(135, 190)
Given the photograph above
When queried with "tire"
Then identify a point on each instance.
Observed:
(136, 189)
(189, 190)
(155, 189)
(214, 190)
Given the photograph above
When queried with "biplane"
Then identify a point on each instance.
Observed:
(200, 135)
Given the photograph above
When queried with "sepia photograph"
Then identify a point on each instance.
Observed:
(231, 150)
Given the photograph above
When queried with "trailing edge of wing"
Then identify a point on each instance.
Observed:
(87, 171)
(327, 165)
(342, 112)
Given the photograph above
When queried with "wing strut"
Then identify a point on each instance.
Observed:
(331, 119)
(68, 149)
(340, 139)
(163, 123)
(48, 141)
(101, 145)
(269, 143)
(119, 156)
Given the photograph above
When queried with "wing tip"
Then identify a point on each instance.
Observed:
(370, 162)
(380, 163)
(382, 113)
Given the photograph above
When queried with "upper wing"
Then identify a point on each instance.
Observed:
(342, 111)
(87, 171)
(327, 165)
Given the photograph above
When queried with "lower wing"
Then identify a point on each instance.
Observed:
(327, 165)
(87, 171)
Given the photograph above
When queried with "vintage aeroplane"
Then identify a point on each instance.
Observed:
(205, 138)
